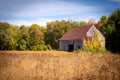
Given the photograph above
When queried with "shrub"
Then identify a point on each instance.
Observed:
(42, 47)
(34, 48)
(94, 46)
(49, 47)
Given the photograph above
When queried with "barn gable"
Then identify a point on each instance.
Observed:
(75, 38)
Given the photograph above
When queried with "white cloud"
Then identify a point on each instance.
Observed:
(40, 21)
(43, 21)
(41, 12)
(56, 8)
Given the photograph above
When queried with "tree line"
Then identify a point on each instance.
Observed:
(36, 37)
(110, 28)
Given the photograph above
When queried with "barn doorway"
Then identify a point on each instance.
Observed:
(70, 48)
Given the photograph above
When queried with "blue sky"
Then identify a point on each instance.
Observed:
(27, 12)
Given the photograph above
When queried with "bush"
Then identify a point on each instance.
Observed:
(93, 51)
(22, 45)
(49, 47)
(34, 48)
(42, 47)
(94, 46)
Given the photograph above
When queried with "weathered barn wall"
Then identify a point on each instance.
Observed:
(64, 44)
(92, 31)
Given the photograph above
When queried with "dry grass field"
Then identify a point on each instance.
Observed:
(58, 65)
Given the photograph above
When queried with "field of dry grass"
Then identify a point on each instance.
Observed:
(54, 53)
(58, 65)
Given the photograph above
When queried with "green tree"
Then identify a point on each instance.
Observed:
(8, 36)
(4, 35)
(101, 25)
(113, 37)
(55, 30)
(13, 37)
(36, 37)
(110, 27)
(23, 38)
(103, 19)
(22, 45)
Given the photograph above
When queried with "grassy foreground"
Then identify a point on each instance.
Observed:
(58, 65)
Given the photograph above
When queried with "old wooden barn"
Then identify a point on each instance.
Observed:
(75, 38)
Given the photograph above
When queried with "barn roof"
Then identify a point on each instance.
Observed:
(76, 33)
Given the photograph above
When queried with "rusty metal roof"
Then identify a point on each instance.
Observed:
(76, 33)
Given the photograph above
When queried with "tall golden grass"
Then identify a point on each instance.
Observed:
(57, 65)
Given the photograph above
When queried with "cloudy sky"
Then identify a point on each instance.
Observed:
(27, 12)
